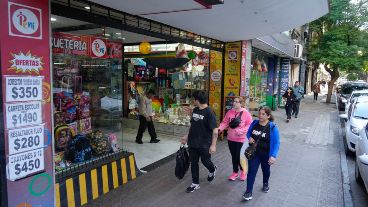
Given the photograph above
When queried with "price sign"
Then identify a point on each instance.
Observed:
(23, 114)
(26, 163)
(26, 139)
(23, 88)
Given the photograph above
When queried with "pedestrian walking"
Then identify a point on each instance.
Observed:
(201, 139)
(289, 99)
(316, 90)
(236, 121)
(299, 93)
(145, 118)
(265, 135)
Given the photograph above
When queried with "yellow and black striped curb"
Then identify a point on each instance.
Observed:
(81, 189)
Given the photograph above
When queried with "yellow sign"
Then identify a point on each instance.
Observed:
(232, 69)
(215, 82)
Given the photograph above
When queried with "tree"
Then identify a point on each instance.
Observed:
(339, 39)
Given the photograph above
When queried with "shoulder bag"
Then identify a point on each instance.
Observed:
(250, 151)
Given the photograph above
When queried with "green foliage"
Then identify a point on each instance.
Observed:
(338, 40)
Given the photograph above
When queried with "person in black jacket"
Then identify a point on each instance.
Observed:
(201, 139)
(289, 98)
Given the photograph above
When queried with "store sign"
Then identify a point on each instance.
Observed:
(23, 114)
(232, 69)
(23, 88)
(26, 94)
(23, 63)
(24, 21)
(98, 48)
(24, 164)
(284, 75)
(75, 43)
(215, 82)
(25, 139)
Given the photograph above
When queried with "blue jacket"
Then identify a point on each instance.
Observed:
(274, 137)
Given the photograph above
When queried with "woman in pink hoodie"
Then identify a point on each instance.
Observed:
(236, 134)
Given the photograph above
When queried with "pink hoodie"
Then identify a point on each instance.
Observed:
(239, 133)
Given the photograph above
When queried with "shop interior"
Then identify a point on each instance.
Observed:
(258, 79)
(99, 74)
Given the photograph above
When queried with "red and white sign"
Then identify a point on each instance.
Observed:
(25, 21)
(26, 63)
(98, 48)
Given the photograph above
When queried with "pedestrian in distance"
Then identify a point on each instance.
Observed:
(265, 134)
(289, 99)
(145, 118)
(201, 139)
(299, 94)
(316, 90)
(237, 121)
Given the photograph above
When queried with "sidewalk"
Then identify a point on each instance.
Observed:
(307, 172)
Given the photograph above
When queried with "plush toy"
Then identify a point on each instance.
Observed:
(180, 51)
(113, 139)
(63, 133)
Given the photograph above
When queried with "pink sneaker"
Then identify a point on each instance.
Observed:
(233, 176)
(243, 176)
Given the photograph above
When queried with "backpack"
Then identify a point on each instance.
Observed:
(63, 134)
(100, 143)
(182, 162)
(79, 149)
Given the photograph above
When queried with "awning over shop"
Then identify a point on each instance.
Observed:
(234, 20)
(278, 44)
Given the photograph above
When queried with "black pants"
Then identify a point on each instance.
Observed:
(315, 96)
(235, 148)
(296, 105)
(204, 154)
(143, 124)
(288, 109)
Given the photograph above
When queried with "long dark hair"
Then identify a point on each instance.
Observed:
(268, 111)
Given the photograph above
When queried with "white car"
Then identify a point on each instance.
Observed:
(356, 119)
(353, 96)
(361, 161)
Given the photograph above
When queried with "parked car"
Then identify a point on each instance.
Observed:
(361, 160)
(354, 95)
(356, 119)
(343, 93)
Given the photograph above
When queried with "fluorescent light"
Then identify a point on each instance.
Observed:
(107, 35)
(118, 33)
(87, 7)
(123, 38)
(53, 19)
(59, 63)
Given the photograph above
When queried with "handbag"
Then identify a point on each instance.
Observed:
(182, 162)
(235, 121)
(251, 150)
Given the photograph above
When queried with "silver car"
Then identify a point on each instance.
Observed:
(356, 119)
(361, 162)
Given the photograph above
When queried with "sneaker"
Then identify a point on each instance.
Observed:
(243, 176)
(296, 116)
(287, 120)
(247, 196)
(265, 188)
(233, 176)
(154, 140)
(212, 175)
(192, 188)
(139, 141)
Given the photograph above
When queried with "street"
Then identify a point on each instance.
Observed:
(307, 173)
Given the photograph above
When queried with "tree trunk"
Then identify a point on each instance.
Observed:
(334, 76)
(315, 66)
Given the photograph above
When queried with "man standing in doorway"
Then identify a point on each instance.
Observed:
(145, 118)
(201, 139)
(299, 94)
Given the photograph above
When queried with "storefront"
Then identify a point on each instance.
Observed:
(99, 73)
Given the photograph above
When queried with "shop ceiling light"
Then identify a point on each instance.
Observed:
(53, 19)
(87, 7)
(118, 33)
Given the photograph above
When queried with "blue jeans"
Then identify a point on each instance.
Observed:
(258, 159)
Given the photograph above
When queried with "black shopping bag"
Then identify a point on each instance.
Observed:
(182, 162)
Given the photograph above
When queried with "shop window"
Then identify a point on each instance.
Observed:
(258, 81)
(173, 86)
(87, 94)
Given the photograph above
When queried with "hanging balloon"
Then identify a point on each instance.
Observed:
(192, 55)
(145, 48)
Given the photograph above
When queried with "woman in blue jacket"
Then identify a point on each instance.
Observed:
(265, 134)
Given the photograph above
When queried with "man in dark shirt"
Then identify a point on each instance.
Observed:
(201, 139)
